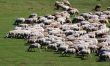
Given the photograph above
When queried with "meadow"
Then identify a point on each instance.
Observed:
(13, 51)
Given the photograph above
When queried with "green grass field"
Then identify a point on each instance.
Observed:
(12, 51)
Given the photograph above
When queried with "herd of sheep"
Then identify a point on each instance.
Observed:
(85, 34)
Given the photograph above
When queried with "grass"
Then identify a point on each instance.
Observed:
(12, 51)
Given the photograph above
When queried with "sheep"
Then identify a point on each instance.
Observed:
(103, 16)
(108, 17)
(84, 23)
(65, 14)
(62, 5)
(70, 38)
(80, 44)
(97, 7)
(68, 32)
(19, 21)
(66, 2)
(62, 20)
(73, 11)
(99, 13)
(33, 15)
(69, 51)
(18, 33)
(90, 27)
(104, 21)
(75, 27)
(55, 24)
(106, 12)
(84, 52)
(63, 47)
(93, 18)
(24, 25)
(78, 19)
(91, 34)
(108, 8)
(104, 56)
(93, 48)
(102, 31)
(86, 15)
(53, 46)
(18, 28)
(65, 7)
(33, 46)
(45, 41)
(29, 20)
(32, 39)
(58, 4)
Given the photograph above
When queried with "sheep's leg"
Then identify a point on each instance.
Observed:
(46, 48)
(62, 53)
(40, 50)
(69, 54)
(34, 49)
(28, 49)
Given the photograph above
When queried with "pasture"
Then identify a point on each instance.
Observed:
(13, 51)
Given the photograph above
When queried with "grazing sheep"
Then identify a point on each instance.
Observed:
(34, 15)
(108, 8)
(63, 47)
(69, 51)
(78, 19)
(73, 11)
(33, 46)
(19, 21)
(84, 53)
(106, 12)
(104, 56)
(97, 7)
(67, 2)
